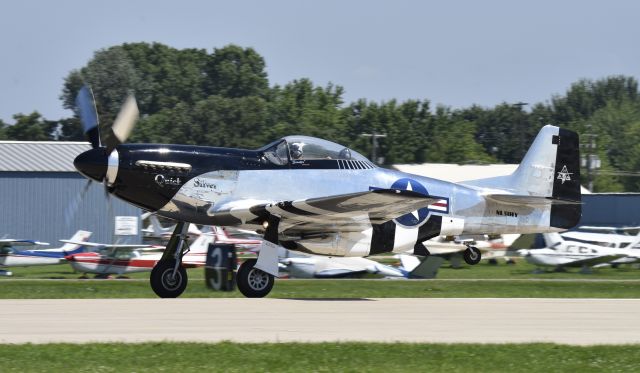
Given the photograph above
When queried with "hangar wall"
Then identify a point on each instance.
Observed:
(37, 205)
(611, 209)
(39, 185)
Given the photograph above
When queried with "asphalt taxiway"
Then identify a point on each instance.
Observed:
(478, 320)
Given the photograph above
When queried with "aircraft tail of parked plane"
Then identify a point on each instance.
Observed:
(416, 268)
(552, 239)
(75, 242)
(158, 231)
(12, 257)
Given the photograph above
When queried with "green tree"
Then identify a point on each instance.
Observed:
(31, 127)
(111, 75)
(3, 135)
(171, 76)
(304, 109)
(234, 71)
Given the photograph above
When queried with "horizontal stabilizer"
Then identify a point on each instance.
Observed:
(532, 201)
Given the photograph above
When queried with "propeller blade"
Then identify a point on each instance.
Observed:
(71, 210)
(110, 211)
(124, 123)
(88, 115)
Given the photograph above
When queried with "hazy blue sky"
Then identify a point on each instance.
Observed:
(455, 53)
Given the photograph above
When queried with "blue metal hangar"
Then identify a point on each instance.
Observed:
(43, 197)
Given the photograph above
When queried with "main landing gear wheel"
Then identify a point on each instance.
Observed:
(472, 255)
(252, 282)
(166, 282)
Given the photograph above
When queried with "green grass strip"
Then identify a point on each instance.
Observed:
(320, 357)
(85, 289)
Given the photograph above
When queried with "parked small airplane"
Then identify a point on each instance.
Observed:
(243, 240)
(315, 196)
(106, 259)
(11, 256)
(561, 253)
(316, 266)
(617, 237)
(155, 230)
(452, 249)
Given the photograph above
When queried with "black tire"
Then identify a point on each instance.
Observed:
(252, 282)
(162, 282)
(472, 256)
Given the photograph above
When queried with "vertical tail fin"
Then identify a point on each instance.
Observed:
(79, 236)
(201, 244)
(158, 229)
(552, 239)
(551, 168)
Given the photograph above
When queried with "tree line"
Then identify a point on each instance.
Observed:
(223, 98)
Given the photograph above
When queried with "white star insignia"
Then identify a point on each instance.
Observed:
(564, 174)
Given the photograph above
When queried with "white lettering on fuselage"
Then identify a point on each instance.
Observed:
(203, 183)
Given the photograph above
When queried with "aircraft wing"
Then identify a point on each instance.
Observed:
(345, 212)
(594, 260)
(14, 242)
(107, 246)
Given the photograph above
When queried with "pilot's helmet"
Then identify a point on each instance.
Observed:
(296, 150)
(345, 154)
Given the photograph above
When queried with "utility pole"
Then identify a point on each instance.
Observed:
(591, 161)
(521, 130)
(374, 143)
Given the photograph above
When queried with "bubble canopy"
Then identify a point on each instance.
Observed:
(293, 148)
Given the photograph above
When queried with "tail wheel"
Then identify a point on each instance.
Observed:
(252, 282)
(472, 255)
(166, 282)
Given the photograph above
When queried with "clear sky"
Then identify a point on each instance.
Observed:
(455, 53)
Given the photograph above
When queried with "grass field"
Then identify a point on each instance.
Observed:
(483, 281)
(321, 357)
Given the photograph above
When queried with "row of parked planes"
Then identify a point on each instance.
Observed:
(585, 248)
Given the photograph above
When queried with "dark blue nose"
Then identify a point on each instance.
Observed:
(92, 163)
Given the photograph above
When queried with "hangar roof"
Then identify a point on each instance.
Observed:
(40, 156)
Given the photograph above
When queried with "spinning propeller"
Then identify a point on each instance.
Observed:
(101, 162)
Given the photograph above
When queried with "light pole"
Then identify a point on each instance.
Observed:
(374, 143)
(591, 162)
(520, 105)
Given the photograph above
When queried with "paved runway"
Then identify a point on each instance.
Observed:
(569, 321)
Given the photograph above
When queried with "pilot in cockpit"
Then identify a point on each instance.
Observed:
(296, 150)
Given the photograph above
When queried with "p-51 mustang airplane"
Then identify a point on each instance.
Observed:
(315, 196)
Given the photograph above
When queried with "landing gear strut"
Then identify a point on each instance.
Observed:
(168, 278)
(253, 282)
(472, 255)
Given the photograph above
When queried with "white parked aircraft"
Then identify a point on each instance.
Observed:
(11, 256)
(107, 259)
(453, 248)
(561, 253)
(316, 266)
(156, 231)
(605, 236)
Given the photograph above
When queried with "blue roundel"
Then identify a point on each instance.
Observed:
(416, 217)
